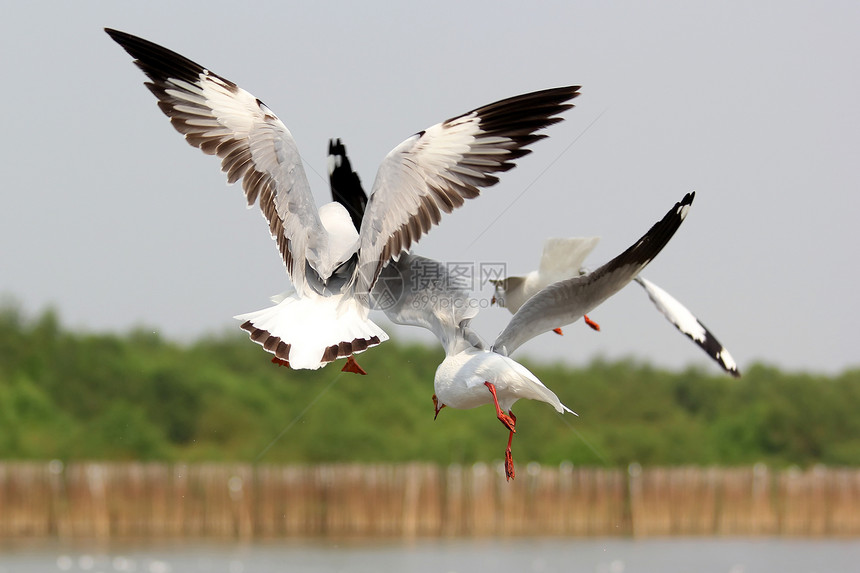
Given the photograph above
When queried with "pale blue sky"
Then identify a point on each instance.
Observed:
(112, 218)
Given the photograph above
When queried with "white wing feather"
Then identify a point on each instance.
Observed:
(220, 118)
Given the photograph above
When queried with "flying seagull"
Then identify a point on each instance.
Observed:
(564, 258)
(561, 259)
(472, 374)
(333, 267)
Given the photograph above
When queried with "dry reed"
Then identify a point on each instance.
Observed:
(242, 501)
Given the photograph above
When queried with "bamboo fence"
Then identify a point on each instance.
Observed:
(243, 501)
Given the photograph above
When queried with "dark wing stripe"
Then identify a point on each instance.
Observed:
(281, 349)
(271, 343)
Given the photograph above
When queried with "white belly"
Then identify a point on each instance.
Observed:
(460, 381)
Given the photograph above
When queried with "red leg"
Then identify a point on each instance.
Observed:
(352, 366)
(558, 331)
(509, 459)
(437, 406)
(503, 418)
(591, 323)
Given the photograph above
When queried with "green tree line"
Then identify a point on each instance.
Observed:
(103, 396)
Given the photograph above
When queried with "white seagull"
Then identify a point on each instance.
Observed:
(332, 267)
(564, 258)
(561, 259)
(472, 374)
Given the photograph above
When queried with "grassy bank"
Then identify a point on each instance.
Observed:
(71, 396)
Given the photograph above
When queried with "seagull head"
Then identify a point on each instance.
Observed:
(499, 293)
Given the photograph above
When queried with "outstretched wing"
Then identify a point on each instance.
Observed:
(563, 258)
(222, 119)
(344, 182)
(436, 170)
(686, 322)
(568, 300)
(418, 291)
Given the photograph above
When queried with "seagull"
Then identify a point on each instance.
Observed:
(564, 258)
(561, 259)
(559, 255)
(331, 265)
(473, 374)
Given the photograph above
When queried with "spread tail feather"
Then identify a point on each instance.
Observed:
(310, 332)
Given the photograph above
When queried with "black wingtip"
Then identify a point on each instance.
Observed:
(158, 62)
(345, 184)
(715, 349)
(336, 147)
(652, 242)
(681, 209)
(688, 199)
(524, 114)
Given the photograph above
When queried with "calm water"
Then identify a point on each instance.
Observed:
(520, 556)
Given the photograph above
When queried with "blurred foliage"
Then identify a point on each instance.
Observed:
(76, 395)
